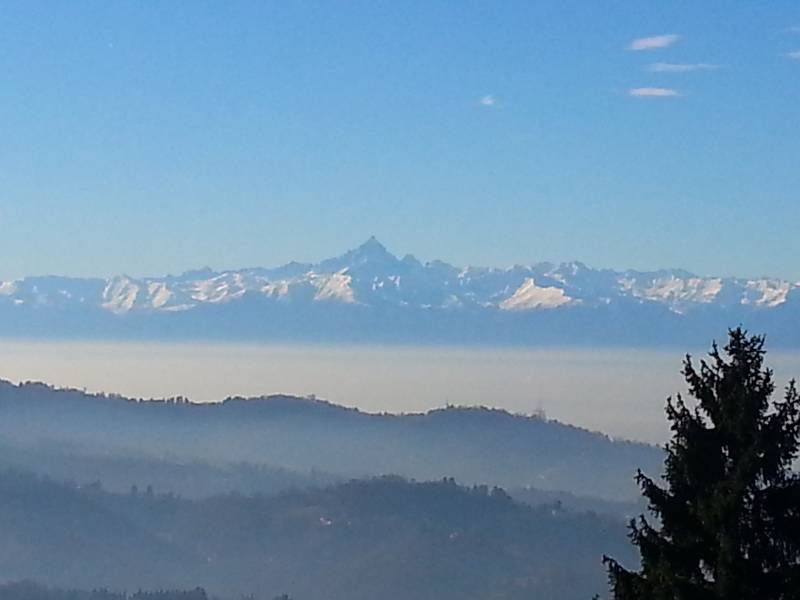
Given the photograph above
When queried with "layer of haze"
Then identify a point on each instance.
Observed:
(620, 392)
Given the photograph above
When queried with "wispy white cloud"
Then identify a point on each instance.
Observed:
(794, 55)
(653, 92)
(663, 67)
(654, 43)
(488, 100)
(794, 29)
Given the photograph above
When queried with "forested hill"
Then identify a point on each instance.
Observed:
(361, 540)
(473, 445)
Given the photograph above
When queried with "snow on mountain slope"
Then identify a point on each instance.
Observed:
(7, 288)
(530, 296)
(335, 287)
(676, 292)
(52, 291)
(121, 294)
(766, 292)
(371, 276)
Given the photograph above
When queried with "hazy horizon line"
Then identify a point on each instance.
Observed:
(426, 262)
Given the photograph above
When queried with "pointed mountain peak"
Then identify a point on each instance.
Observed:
(372, 246)
(371, 252)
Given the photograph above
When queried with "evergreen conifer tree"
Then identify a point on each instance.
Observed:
(726, 525)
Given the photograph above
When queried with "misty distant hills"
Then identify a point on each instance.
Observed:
(370, 295)
(360, 540)
(272, 443)
(281, 494)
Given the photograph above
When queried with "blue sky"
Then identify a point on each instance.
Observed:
(148, 138)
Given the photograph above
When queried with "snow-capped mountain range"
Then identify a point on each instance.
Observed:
(370, 278)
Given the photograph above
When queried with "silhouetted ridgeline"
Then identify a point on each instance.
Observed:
(291, 442)
(26, 590)
(361, 540)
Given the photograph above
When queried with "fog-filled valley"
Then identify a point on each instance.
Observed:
(280, 441)
(293, 495)
(268, 495)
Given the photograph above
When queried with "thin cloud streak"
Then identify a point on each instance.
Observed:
(662, 67)
(488, 100)
(794, 55)
(654, 43)
(653, 92)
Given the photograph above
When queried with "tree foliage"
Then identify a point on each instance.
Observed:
(27, 590)
(727, 523)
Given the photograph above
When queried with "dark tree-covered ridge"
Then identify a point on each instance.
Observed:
(27, 590)
(382, 538)
(729, 516)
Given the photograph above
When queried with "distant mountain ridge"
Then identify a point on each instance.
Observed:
(376, 296)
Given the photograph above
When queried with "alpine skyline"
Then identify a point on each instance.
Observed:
(146, 140)
(368, 294)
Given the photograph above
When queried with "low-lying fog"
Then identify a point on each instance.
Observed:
(620, 392)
